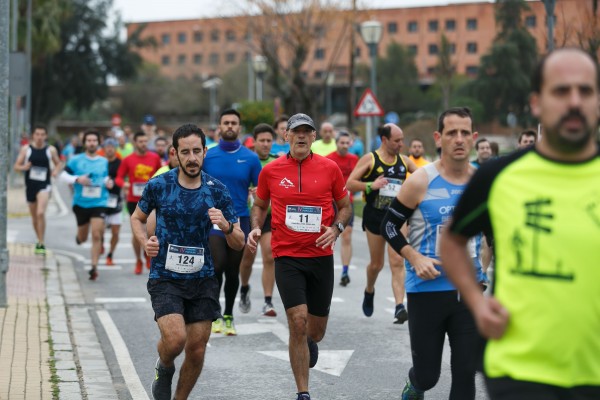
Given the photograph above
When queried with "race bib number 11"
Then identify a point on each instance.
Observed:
(303, 218)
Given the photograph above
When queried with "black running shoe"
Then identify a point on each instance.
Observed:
(313, 350)
(367, 305)
(401, 315)
(161, 385)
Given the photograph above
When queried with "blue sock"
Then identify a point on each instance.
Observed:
(345, 269)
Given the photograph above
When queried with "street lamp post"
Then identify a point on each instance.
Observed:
(550, 4)
(371, 32)
(212, 85)
(260, 67)
(329, 83)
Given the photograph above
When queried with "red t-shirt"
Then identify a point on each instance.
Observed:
(139, 169)
(346, 164)
(309, 184)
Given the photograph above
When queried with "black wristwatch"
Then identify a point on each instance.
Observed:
(339, 226)
(230, 229)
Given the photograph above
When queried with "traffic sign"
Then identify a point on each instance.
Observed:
(392, 118)
(368, 106)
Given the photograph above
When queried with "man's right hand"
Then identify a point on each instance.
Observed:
(253, 238)
(425, 266)
(491, 318)
(152, 246)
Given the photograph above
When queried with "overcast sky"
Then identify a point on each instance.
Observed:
(155, 10)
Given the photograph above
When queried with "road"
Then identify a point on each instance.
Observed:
(360, 357)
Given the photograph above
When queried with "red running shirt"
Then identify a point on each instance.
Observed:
(311, 183)
(139, 169)
(346, 164)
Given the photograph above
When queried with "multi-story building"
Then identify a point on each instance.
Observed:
(210, 46)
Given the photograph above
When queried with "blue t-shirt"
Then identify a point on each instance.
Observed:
(278, 149)
(237, 170)
(427, 223)
(96, 168)
(182, 219)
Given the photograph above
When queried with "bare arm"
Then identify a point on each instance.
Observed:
(410, 164)
(491, 318)
(138, 228)
(20, 164)
(354, 183)
(258, 214)
(58, 164)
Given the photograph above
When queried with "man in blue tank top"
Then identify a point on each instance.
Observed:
(427, 200)
(182, 285)
(39, 161)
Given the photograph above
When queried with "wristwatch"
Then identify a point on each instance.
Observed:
(230, 229)
(339, 226)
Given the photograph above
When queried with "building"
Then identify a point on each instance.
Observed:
(199, 48)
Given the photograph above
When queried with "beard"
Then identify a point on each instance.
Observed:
(568, 142)
(188, 173)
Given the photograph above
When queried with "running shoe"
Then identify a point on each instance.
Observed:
(313, 350)
(161, 385)
(109, 260)
(93, 274)
(269, 310)
(345, 279)
(229, 326)
(410, 393)
(217, 326)
(303, 396)
(138, 267)
(401, 315)
(367, 305)
(245, 302)
(77, 240)
(148, 262)
(40, 249)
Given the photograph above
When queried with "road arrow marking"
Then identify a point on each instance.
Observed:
(332, 362)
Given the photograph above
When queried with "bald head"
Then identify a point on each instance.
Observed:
(556, 56)
(327, 132)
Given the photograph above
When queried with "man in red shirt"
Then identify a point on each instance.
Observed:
(138, 167)
(346, 161)
(302, 188)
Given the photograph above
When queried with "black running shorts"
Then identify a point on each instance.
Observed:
(372, 218)
(305, 281)
(195, 299)
(84, 215)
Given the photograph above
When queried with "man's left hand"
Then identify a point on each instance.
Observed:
(328, 238)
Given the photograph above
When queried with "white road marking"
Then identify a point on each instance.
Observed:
(132, 380)
(120, 300)
(101, 267)
(332, 362)
(337, 300)
(263, 325)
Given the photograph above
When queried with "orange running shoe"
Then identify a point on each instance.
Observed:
(138, 267)
(148, 262)
(109, 260)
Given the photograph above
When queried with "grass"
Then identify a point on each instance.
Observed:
(358, 207)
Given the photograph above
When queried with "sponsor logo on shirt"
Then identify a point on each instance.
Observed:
(240, 161)
(286, 183)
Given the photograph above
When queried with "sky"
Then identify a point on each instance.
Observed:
(156, 10)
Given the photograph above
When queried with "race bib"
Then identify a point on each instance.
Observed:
(392, 188)
(113, 201)
(184, 260)
(138, 189)
(303, 218)
(91, 192)
(471, 245)
(38, 174)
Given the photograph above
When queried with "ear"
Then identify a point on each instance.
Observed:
(437, 137)
(475, 135)
(534, 104)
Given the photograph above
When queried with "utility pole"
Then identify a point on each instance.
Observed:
(4, 154)
(550, 4)
(351, 89)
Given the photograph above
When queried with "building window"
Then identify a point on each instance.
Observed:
(214, 35)
(452, 48)
(413, 26)
(450, 25)
(230, 35)
(432, 26)
(165, 38)
(181, 37)
(431, 70)
(320, 31)
(198, 37)
(433, 49)
(471, 24)
(318, 74)
(530, 21)
(472, 70)
(472, 47)
(198, 59)
(357, 52)
(392, 27)
(230, 58)
(214, 58)
(413, 49)
(320, 54)
(165, 60)
(181, 59)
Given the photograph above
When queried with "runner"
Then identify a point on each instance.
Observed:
(302, 188)
(182, 284)
(39, 161)
(172, 163)
(426, 200)
(88, 173)
(238, 168)
(346, 161)
(114, 205)
(264, 136)
(380, 174)
(280, 146)
(138, 167)
(325, 145)
(543, 206)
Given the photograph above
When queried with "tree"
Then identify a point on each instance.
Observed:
(503, 80)
(398, 80)
(444, 71)
(76, 72)
(285, 32)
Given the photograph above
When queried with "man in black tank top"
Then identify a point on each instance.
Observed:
(379, 174)
(39, 161)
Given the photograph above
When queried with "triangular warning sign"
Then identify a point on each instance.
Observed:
(368, 106)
